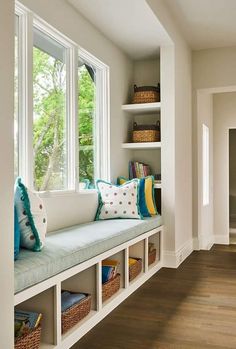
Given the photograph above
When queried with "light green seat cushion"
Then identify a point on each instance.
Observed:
(68, 247)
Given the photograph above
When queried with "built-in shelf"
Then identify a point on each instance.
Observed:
(142, 108)
(157, 185)
(146, 145)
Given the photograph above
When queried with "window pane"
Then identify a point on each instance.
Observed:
(206, 165)
(49, 127)
(16, 99)
(88, 145)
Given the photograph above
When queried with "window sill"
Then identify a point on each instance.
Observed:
(58, 193)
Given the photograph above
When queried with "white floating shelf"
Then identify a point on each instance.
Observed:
(157, 185)
(146, 145)
(142, 108)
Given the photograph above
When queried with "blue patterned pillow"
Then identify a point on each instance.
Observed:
(16, 235)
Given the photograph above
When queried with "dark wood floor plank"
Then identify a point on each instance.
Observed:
(192, 307)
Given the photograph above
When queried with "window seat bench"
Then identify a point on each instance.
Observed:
(68, 247)
(72, 260)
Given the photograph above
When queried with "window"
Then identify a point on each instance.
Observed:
(61, 127)
(16, 98)
(49, 124)
(205, 165)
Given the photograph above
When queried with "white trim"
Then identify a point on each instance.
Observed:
(172, 259)
(221, 239)
(102, 122)
(203, 242)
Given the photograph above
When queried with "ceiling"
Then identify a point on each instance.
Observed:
(130, 24)
(206, 23)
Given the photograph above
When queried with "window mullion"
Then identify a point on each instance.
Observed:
(72, 136)
(26, 98)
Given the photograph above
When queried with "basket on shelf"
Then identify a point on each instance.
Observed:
(30, 340)
(135, 269)
(74, 314)
(146, 94)
(110, 287)
(146, 133)
(152, 256)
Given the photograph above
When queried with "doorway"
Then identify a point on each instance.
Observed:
(232, 185)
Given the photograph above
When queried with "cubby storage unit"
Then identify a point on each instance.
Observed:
(86, 277)
(146, 73)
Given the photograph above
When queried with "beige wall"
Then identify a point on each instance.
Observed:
(213, 71)
(232, 172)
(205, 213)
(176, 137)
(77, 28)
(224, 119)
(6, 173)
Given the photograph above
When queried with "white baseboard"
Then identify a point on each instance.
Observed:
(221, 239)
(172, 259)
(203, 242)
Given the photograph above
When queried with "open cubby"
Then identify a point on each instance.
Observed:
(44, 303)
(156, 240)
(83, 282)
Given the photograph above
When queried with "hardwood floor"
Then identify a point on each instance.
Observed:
(192, 307)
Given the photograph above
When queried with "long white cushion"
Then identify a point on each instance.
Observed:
(71, 246)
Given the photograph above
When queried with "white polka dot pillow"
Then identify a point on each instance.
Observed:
(118, 201)
(31, 216)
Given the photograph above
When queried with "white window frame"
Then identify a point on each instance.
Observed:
(101, 115)
(27, 21)
(205, 165)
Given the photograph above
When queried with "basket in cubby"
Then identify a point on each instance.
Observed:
(135, 269)
(110, 287)
(30, 340)
(75, 313)
(152, 256)
(146, 94)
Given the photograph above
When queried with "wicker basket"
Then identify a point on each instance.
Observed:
(135, 269)
(30, 340)
(74, 314)
(152, 257)
(146, 133)
(110, 287)
(146, 94)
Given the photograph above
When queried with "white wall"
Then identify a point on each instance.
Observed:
(205, 213)
(69, 22)
(224, 119)
(176, 138)
(232, 173)
(214, 71)
(6, 173)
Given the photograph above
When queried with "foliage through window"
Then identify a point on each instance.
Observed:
(87, 122)
(49, 130)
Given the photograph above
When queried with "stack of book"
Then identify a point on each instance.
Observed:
(138, 169)
(109, 269)
(25, 322)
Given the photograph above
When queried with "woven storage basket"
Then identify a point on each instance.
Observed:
(110, 287)
(145, 133)
(74, 314)
(152, 257)
(146, 94)
(135, 269)
(30, 340)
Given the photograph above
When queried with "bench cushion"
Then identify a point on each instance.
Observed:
(68, 247)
